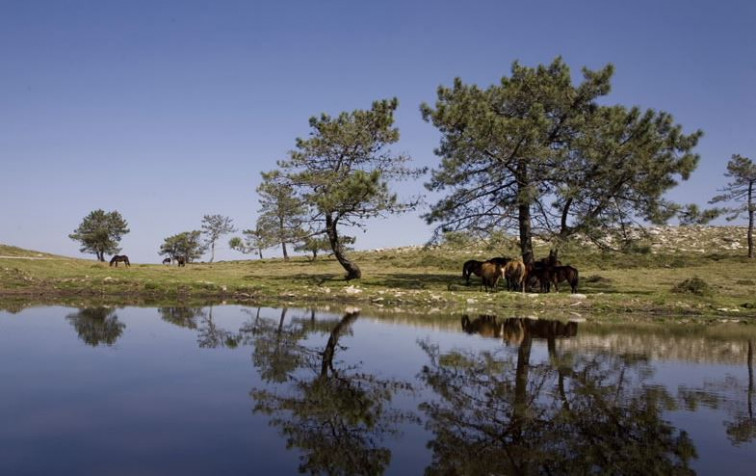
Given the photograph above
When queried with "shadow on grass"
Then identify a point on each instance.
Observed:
(417, 281)
(301, 278)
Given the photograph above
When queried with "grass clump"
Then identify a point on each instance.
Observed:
(694, 285)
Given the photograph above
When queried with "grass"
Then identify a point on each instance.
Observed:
(617, 286)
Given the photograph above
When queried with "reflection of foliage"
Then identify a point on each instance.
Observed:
(499, 414)
(276, 348)
(209, 334)
(97, 325)
(742, 428)
(336, 415)
(181, 316)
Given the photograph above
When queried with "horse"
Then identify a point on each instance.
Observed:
(515, 273)
(181, 261)
(167, 261)
(119, 258)
(564, 273)
(490, 273)
(469, 268)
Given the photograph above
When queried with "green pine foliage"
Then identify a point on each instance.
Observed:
(540, 156)
(100, 232)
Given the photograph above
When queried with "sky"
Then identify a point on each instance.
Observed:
(167, 111)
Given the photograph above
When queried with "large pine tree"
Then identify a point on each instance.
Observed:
(541, 156)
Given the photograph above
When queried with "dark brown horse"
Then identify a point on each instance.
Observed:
(564, 273)
(119, 259)
(469, 268)
(181, 260)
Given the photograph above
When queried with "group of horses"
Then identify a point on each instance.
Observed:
(519, 275)
(125, 260)
(180, 260)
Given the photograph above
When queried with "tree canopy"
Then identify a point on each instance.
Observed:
(540, 155)
(253, 241)
(343, 169)
(282, 213)
(100, 232)
(186, 244)
(213, 227)
(742, 171)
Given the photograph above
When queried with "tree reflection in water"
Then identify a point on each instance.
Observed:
(724, 394)
(209, 335)
(97, 325)
(336, 415)
(500, 413)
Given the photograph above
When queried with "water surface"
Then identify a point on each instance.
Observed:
(235, 390)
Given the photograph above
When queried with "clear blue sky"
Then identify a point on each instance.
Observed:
(168, 110)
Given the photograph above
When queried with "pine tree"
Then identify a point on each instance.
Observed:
(540, 155)
(282, 213)
(100, 233)
(742, 171)
(342, 172)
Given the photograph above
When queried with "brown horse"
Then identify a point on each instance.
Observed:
(181, 260)
(119, 259)
(469, 268)
(515, 273)
(564, 273)
(490, 273)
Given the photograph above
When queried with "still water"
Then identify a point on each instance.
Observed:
(244, 390)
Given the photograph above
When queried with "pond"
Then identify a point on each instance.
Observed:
(234, 390)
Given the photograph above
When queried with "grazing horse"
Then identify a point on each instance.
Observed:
(119, 258)
(167, 261)
(490, 273)
(515, 273)
(469, 268)
(564, 273)
(181, 261)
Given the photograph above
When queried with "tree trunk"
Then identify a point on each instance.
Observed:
(282, 233)
(353, 271)
(333, 340)
(750, 219)
(523, 208)
(212, 251)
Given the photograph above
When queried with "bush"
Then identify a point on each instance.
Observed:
(694, 285)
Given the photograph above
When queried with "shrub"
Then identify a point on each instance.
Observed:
(694, 285)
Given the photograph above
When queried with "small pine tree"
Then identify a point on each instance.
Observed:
(742, 171)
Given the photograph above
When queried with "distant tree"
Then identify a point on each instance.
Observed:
(100, 232)
(282, 213)
(186, 244)
(343, 169)
(253, 242)
(316, 244)
(539, 155)
(213, 227)
(742, 171)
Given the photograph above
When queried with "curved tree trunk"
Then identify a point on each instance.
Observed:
(353, 271)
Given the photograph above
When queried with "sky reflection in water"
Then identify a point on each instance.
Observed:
(228, 390)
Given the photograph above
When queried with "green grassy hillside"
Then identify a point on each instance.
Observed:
(654, 279)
